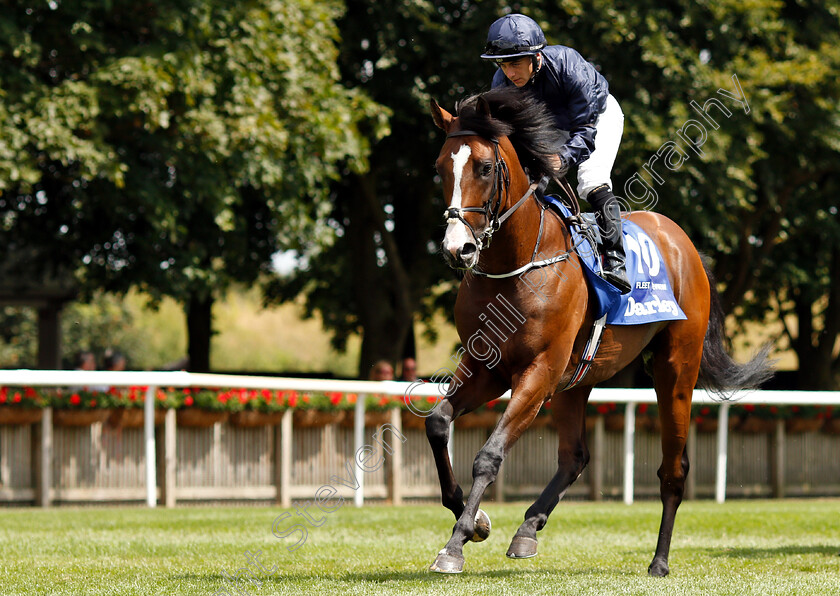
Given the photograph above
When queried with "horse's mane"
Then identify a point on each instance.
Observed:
(518, 115)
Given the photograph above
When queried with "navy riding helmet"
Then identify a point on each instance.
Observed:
(512, 36)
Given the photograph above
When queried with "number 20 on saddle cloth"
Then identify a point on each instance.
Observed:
(651, 299)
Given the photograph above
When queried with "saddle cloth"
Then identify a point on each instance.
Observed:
(651, 300)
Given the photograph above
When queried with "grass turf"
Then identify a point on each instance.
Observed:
(741, 547)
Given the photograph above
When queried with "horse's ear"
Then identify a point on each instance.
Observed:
(442, 118)
(482, 107)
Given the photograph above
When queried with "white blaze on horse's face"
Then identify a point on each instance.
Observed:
(458, 236)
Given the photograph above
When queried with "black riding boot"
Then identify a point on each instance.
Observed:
(609, 216)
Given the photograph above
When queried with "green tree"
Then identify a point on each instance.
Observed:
(738, 195)
(384, 271)
(173, 146)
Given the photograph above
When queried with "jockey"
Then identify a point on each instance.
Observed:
(579, 98)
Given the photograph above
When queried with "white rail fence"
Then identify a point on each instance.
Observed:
(154, 380)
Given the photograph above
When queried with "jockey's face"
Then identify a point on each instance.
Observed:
(519, 71)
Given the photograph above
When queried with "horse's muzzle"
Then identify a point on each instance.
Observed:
(464, 256)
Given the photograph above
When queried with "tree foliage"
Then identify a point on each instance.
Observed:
(172, 146)
(176, 146)
(741, 187)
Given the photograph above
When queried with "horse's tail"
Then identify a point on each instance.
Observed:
(719, 373)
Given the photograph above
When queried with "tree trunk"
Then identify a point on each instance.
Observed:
(199, 313)
(382, 290)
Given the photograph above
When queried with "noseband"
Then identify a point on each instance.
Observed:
(493, 205)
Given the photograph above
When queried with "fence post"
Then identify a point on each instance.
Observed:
(283, 460)
(597, 460)
(722, 451)
(777, 460)
(358, 444)
(170, 457)
(44, 460)
(395, 485)
(629, 450)
(151, 452)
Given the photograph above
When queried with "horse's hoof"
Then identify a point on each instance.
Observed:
(446, 563)
(482, 527)
(522, 547)
(658, 569)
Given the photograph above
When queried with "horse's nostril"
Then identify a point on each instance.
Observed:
(466, 251)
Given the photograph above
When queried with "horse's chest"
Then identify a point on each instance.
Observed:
(502, 329)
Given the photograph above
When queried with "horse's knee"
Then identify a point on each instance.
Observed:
(437, 427)
(487, 464)
(672, 485)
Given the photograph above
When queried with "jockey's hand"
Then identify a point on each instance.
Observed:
(559, 165)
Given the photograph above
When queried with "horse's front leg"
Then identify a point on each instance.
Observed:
(437, 432)
(524, 405)
(468, 394)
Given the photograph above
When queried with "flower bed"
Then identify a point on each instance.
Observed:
(253, 407)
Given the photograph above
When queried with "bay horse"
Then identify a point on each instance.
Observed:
(490, 142)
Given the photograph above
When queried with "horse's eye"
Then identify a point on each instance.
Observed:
(486, 169)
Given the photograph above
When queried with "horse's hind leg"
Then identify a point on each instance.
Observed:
(676, 366)
(568, 410)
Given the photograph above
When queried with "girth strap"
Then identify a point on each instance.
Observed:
(588, 356)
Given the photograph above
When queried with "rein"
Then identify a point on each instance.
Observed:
(491, 210)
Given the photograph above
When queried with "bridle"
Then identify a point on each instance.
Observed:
(493, 205)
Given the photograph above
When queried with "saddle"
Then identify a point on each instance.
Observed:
(651, 298)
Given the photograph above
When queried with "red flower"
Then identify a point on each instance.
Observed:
(161, 395)
(293, 399)
(2, 397)
(30, 393)
(75, 399)
(335, 398)
(17, 398)
(92, 403)
(431, 399)
(698, 419)
(643, 408)
(774, 410)
(749, 407)
(132, 396)
(383, 401)
(705, 411)
(306, 398)
(352, 398)
(243, 397)
(603, 408)
(188, 401)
